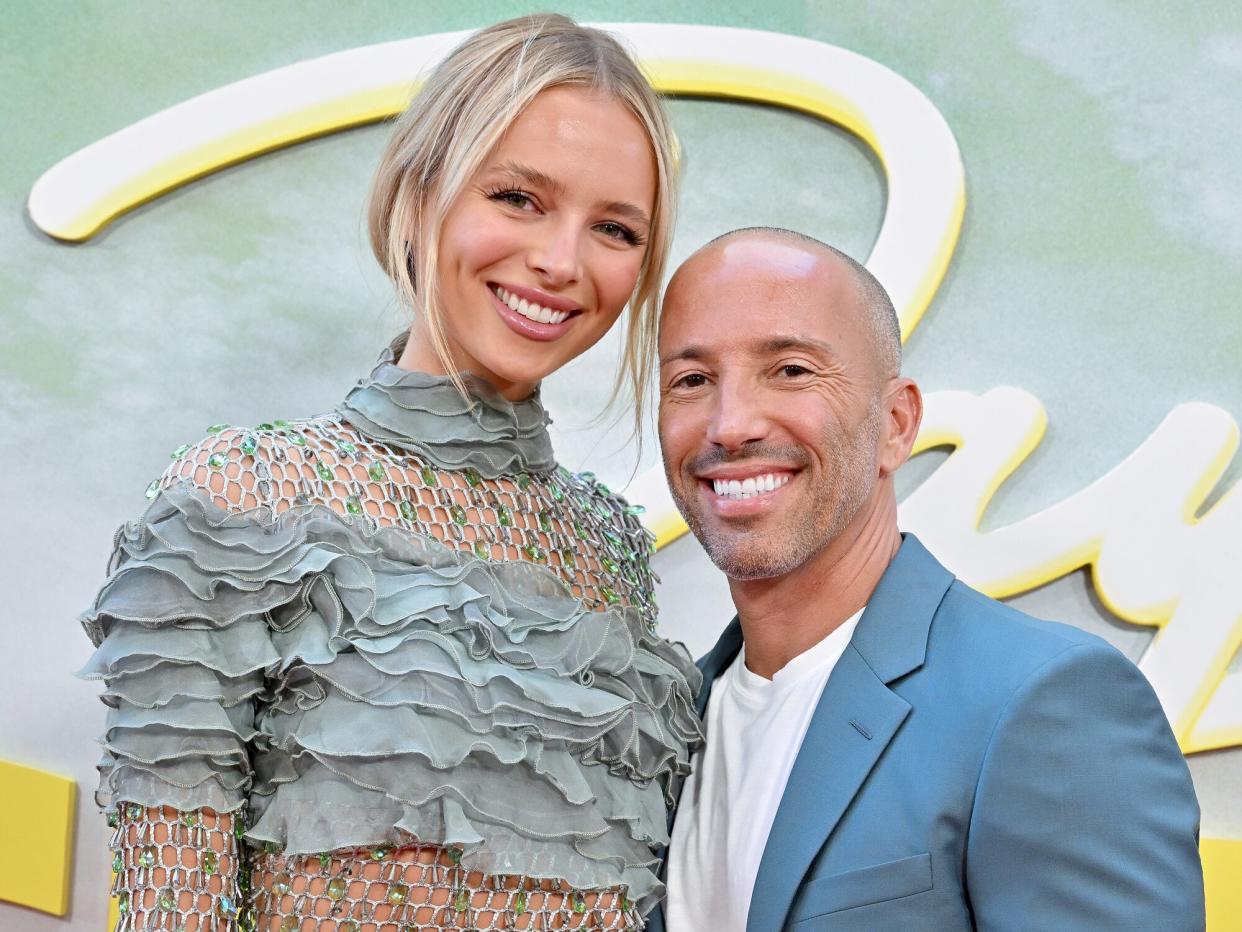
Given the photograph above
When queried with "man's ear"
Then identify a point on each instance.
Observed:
(902, 413)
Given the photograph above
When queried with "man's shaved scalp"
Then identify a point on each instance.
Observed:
(880, 317)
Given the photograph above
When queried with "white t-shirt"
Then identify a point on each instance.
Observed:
(754, 730)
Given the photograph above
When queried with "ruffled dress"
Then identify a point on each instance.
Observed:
(397, 626)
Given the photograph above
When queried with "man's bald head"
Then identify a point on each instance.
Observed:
(875, 309)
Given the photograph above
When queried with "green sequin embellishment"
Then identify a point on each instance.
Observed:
(377, 472)
(534, 553)
(297, 440)
(454, 854)
(282, 883)
(324, 472)
(118, 863)
(347, 925)
(545, 522)
(190, 818)
(353, 505)
(249, 444)
(153, 488)
(601, 489)
(290, 924)
(523, 482)
(609, 564)
(473, 479)
(134, 812)
(122, 902)
(216, 428)
(324, 860)
(635, 510)
(458, 514)
(609, 596)
(482, 550)
(225, 907)
(113, 819)
(346, 447)
(168, 900)
(558, 493)
(398, 893)
(180, 451)
(586, 477)
(461, 899)
(211, 862)
(612, 538)
(146, 857)
(519, 902)
(281, 424)
(580, 530)
(266, 425)
(579, 902)
(406, 509)
(568, 558)
(378, 854)
(336, 889)
(429, 477)
(504, 516)
(216, 460)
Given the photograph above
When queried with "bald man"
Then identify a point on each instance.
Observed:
(887, 749)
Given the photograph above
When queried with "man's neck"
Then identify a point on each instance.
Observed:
(786, 615)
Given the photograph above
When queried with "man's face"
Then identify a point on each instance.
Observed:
(770, 404)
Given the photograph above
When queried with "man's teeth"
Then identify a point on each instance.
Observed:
(528, 309)
(750, 486)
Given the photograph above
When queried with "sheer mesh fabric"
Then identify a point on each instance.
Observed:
(571, 524)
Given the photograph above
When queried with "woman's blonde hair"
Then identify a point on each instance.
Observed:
(457, 118)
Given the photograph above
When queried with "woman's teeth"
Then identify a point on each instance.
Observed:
(530, 310)
(749, 487)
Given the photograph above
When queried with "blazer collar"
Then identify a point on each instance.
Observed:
(891, 635)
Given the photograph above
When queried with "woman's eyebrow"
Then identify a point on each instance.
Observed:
(533, 177)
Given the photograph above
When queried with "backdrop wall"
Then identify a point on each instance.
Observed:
(1097, 270)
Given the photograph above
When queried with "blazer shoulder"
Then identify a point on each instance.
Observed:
(1005, 645)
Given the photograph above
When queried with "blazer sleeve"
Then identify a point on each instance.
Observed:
(1085, 817)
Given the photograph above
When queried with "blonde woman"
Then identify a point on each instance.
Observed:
(391, 667)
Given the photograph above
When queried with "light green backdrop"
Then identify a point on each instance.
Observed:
(1100, 268)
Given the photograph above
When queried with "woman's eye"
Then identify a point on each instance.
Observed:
(519, 199)
(690, 380)
(619, 231)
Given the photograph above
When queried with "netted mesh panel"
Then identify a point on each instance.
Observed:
(175, 870)
(420, 887)
(591, 538)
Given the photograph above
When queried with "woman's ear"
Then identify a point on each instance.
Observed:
(903, 413)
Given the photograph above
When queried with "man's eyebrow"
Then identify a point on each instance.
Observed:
(688, 352)
(810, 344)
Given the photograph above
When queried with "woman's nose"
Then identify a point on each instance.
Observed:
(556, 255)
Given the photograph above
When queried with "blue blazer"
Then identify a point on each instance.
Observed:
(969, 766)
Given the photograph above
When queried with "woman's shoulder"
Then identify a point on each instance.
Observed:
(243, 468)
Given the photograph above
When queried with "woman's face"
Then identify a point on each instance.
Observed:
(542, 248)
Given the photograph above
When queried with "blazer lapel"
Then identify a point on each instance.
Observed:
(856, 718)
(854, 721)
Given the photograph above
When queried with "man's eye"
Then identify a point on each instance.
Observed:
(793, 370)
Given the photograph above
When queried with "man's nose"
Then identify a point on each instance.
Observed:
(556, 254)
(737, 416)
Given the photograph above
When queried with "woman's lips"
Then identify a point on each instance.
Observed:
(522, 325)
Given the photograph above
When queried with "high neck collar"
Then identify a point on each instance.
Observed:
(426, 415)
